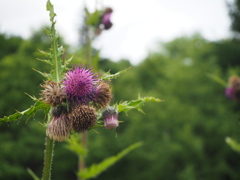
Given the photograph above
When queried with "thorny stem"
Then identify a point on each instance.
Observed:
(48, 155)
(48, 158)
(49, 149)
(81, 158)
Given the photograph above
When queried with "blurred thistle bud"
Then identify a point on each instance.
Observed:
(103, 95)
(60, 126)
(80, 85)
(229, 92)
(110, 118)
(233, 91)
(53, 94)
(106, 18)
(83, 117)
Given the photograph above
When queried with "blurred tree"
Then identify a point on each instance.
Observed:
(184, 136)
(227, 53)
(234, 12)
(8, 44)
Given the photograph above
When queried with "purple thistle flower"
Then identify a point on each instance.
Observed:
(110, 117)
(80, 85)
(229, 92)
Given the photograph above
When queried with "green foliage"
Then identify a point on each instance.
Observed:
(233, 144)
(96, 169)
(92, 19)
(234, 8)
(76, 146)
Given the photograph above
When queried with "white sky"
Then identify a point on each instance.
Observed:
(138, 24)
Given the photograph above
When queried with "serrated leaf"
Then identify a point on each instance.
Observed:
(66, 62)
(135, 104)
(29, 112)
(44, 53)
(97, 169)
(60, 51)
(108, 76)
(46, 75)
(45, 61)
(233, 144)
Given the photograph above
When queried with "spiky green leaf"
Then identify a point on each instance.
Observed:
(44, 53)
(97, 169)
(45, 61)
(39, 105)
(135, 104)
(66, 62)
(108, 76)
(46, 75)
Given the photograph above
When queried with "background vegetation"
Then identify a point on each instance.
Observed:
(184, 137)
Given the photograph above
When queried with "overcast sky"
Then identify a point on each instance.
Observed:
(138, 24)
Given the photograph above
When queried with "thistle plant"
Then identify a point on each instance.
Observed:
(76, 99)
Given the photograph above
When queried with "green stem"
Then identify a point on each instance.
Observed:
(48, 157)
(55, 56)
(56, 74)
(81, 157)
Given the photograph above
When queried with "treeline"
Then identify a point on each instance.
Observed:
(184, 136)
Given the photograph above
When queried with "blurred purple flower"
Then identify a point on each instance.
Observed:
(106, 21)
(229, 92)
(80, 85)
(106, 18)
(110, 117)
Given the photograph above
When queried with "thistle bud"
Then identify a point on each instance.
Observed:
(103, 95)
(110, 117)
(53, 94)
(83, 117)
(60, 126)
(234, 81)
(229, 92)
